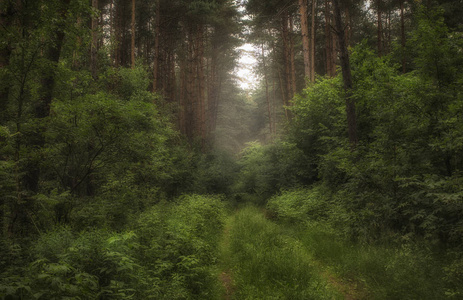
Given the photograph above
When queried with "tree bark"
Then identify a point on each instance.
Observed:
(118, 35)
(53, 53)
(201, 119)
(402, 31)
(267, 97)
(5, 52)
(328, 40)
(94, 45)
(112, 26)
(348, 25)
(132, 46)
(312, 43)
(305, 38)
(42, 107)
(292, 60)
(157, 33)
(380, 29)
(286, 54)
(190, 102)
(182, 93)
(347, 77)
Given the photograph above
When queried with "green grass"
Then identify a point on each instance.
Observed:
(382, 270)
(267, 263)
(385, 272)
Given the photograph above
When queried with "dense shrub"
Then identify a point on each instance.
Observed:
(264, 170)
(170, 254)
(299, 205)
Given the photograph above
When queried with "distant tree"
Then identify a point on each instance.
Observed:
(346, 76)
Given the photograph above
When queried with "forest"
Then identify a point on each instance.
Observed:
(136, 163)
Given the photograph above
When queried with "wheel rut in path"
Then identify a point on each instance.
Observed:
(225, 276)
(348, 289)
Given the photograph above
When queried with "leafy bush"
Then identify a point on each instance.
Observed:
(180, 243)
(171, 254)
(267, 169)
(215, 173)
(299, 205)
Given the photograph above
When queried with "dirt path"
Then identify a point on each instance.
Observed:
(225, 276)
(349, 290)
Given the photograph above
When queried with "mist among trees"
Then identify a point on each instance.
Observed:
(134, 165)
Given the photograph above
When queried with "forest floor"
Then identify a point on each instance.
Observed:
(233, 261)
(225, 276)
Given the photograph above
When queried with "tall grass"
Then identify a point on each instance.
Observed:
(266, 263)
(386, 272)
(409, 270)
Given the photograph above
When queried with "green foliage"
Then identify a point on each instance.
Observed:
(267, 169)
(402, 180)
(299, 205)
(411, 271)
(132, 82)
(170, 254)
(90, 265)
(99, 144)
(318, 124)
(180, 244)
(215, 173)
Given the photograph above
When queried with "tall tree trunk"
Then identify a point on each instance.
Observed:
(286, 54)
(172, 79)
(118, 35)
(283, 95)
(333, 49)
(94, 45)
(5, 52)
(380, 29)
(132, 46)
(53, 52)
(274, 94)
(191, 93)
(328, 40)
(312, 43)
(389, 31)
(112, 27)
(346, 76)
(201, 119)
(42, 107)
(267, 97)
(157, 33)
(182, 93)
(305, 37)
(348, 25)
(291, 57)
(212, 91)
(402, 31)
(147, 44)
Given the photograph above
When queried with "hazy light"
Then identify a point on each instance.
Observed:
(244, 72)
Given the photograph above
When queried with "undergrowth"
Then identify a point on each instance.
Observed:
(388, 269)
(169, 253)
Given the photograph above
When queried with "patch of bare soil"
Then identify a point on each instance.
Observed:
(351, 290)
(227, 283)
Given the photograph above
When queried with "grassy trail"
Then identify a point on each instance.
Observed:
(263, 260)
